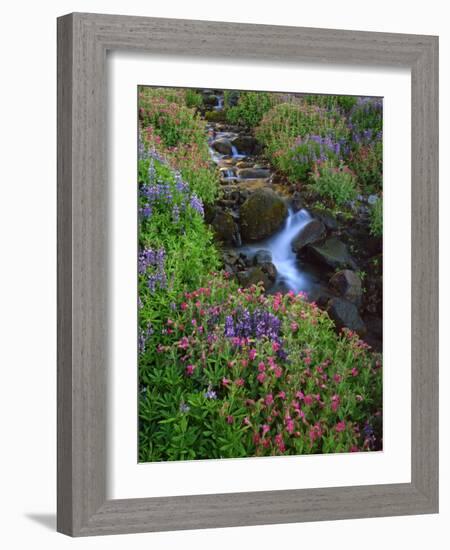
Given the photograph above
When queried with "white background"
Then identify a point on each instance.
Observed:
(28, 299)
(127, 479)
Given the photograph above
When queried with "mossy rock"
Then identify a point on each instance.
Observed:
(225, 228)
(262, 214)
(215, 116)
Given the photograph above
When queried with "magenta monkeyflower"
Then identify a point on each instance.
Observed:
(252, 354)
(261, 377)
(308, 399)
(261, 367)
(340, 426)
(354, 371)
(335, 402)
(265, 428)
(230, 419)
(190, 370)
(225, 382)
(268, 399)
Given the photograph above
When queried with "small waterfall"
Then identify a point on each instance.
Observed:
(289, 274)
(219, 106)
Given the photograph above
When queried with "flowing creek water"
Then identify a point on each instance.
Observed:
(292, 273)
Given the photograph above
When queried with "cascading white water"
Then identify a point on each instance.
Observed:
(284, 258)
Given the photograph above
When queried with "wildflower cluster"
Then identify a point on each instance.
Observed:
(151, 265)
(171, 193)
(261, 375)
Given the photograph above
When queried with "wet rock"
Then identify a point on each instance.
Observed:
(333, 253)
(262, 257)
(262, 214)
(225, 227)
(223, 146)
(313, 231)
(244, 164)
(253, 173)
(247, 144)
(253, 276)
(270, 270)
(345, 314)
(297, 201)
(327, 219)
(227, 174)
(320, 295)
(230, 257)
(210, 100)
(348, 284)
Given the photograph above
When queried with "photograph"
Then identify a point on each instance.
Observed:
(260, 266)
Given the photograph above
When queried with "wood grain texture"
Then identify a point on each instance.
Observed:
(83, 205)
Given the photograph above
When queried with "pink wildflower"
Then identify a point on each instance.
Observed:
(184, 306)
(282, 395)
(354, 371)
(275, 346)
(337, 377)
(289, 424)
(335, 402)
(278, 371)
(190, 370)
(230, 419)
(264, 429)
(280, 443)
(261, 367)
(294, 326)
(239, 382)
(252, 354)
(261, 377)
(268, 399)
(308, 399)
(340, 426)
(315, 432)
(225, 382)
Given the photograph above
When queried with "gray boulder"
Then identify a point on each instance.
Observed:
(345, 314)
(348, 284)
(262, 257)
(222, 146)
(253, 173)
(333, 253)
(310, 233)
(225, 227)
(253, 276)
(247, 145)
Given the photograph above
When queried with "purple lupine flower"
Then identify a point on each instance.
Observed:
(196, 204)
(151, 171)
(210, 393)
(229, 326)
(184, 408)
(176, 213)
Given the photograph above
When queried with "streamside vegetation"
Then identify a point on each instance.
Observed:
(248, 348)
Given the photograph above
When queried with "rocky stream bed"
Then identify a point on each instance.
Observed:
(274, 232)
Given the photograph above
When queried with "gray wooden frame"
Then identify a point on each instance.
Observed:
(83, 40)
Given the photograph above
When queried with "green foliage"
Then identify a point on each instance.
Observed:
(285, 126)
(250, 108)
(192, 98)
(177, 131)
(376, 218)
(330, 102)
(366, 161)
(294, 387)
(334, 184)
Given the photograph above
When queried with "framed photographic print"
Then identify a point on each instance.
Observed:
(247, 274)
